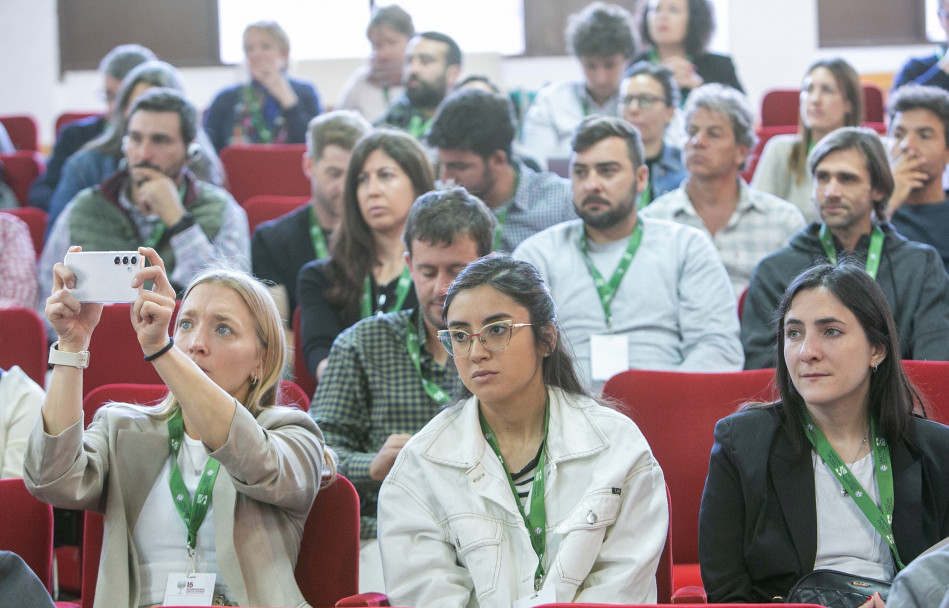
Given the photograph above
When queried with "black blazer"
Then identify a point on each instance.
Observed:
(712, 67)
(758, 521)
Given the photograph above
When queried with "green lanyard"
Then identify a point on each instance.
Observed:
(316, 235)
(192, 512)
(418, 126)
(264, 135)
(873, 253)
(401, 290)
(882, 522)
(502, 217)
(434, 391)
(536, 522)
(645, 197)
(159, 230)
(608, 290)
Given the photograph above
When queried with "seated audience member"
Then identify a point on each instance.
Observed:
(218, 421)
(19, 585)
(366, 272)
(632, 292)
(919, 136)
(282, 246)
(650, 99)
(387, 376)
(101, 157)
(155, 200)
(373, 87)
(17, 264)
(678, 33)
(20, 401)
(842, 472)
(852, 184)
(923, 584)
(473, 132)
(272, 108)
(601, 37)
(432, 66)
(744, 224)
(583, 485)
(831, 97)
(931, 70)
(113, 67)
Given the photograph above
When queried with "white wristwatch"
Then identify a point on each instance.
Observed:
(58, 357)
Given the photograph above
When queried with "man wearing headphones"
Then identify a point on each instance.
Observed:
(154, 200)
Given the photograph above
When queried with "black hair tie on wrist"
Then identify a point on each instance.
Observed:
(165, 349)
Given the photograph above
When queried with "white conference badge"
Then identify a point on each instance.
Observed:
(196, 589)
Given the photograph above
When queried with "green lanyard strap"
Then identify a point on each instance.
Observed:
(401, 291)
(536, 522)
(251, 99)
(607, 291)
(645, 197)
(316, 235)
(881, 521)
(191, 511)
(873, 253)
(418, 126)
(434, 391)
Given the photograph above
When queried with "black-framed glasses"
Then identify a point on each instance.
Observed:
(645, 102)
(494, 336)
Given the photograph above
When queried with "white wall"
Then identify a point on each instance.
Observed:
(772, 42)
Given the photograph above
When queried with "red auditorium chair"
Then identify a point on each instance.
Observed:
(27, 529)
(265, 169)
(327, 568)
(36, 221)
(781, 107)
(932, 380)
(265, 207)
(67, 117)
(754, 155)
(20, 170)
(23, 131)
(673, 410)
(301, 375)
(23, 342)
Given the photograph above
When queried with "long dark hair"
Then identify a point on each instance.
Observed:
(353, 248)
(521, 282)
(892, 399)
(697, 34)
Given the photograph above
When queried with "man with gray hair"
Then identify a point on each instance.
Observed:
(281, 247)
(744, 224)
(852, 185)
(74, 135)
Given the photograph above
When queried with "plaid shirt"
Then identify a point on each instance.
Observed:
(370, 390)
(762, 223)
(540, 201)
(17, 264)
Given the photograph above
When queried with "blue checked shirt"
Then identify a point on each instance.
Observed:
(541, 200)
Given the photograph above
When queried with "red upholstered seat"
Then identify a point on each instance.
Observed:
(20, 170)
(23, 130)
(265, 169)
(27, 529)
(23, 342)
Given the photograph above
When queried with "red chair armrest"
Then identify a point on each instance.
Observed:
(692, 594)
(364, 599)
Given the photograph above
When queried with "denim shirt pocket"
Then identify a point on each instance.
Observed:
(583, 532)
(478, 543)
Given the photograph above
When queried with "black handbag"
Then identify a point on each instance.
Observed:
(835, 589)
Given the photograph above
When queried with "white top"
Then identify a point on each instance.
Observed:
(773, 176)
(21, 400)
(846, 540)
(160, 534)
(675, 303)
(366, 98)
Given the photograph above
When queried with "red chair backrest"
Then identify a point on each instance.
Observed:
(23, 131)
(67, 117)
(781, 107)
(23, 342)
(291, 394)
(265, 207)
(872, 103)
(676, 409)
(328, 566)
(265, 169)
(932, 380)
(27, 529)
(35, 220)
(562, 605)
(301, 375)
(20, 169)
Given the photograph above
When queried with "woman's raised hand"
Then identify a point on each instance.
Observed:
(73, 321)
(152, 309)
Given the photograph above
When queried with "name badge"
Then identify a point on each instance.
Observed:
(196, 589)
(609, 355)
(538, 598)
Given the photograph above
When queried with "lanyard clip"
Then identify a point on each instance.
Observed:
(189, 571)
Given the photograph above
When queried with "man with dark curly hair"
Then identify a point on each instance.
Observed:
(601, 37)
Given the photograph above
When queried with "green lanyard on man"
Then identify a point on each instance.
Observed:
(874, 252)
(607, 290)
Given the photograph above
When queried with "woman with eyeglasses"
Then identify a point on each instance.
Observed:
(527, 487)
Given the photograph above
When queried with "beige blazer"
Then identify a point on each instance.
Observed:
(273, 465)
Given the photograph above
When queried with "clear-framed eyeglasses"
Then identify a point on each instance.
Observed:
(645, 102)
(494, 336)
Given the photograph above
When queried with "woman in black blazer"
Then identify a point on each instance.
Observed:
(773, 510)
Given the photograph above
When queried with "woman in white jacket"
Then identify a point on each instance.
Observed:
(527, 488)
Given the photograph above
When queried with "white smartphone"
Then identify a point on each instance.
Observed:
(104, 276)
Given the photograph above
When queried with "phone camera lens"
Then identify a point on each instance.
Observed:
(117, 260)
(125, 260)
(134, 260)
